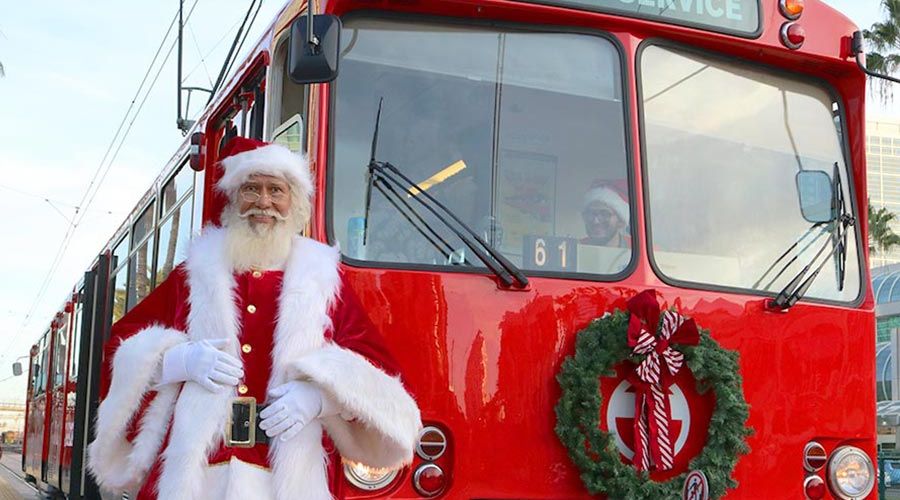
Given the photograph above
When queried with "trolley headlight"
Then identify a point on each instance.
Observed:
(850, 473)
(368, 478)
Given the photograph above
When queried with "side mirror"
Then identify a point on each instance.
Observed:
(313, 54)
(816, 192)
(17, 369)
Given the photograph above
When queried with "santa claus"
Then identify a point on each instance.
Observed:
(220, 384)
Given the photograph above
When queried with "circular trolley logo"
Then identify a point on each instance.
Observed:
(620, 417)
(696, 487)
(691, 413)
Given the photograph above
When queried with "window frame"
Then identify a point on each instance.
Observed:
(60, 348)
(663, 22)
(42, 375)
(148, 207)
(114, 274)
(75, 335)
(163, 218)
(771, 70)
(510, 27)
(275, 92)
(163, 214)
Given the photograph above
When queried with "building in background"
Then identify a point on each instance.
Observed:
(12, 422)
(883, 176)
(886, 288)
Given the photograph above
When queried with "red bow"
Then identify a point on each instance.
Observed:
(653, 376)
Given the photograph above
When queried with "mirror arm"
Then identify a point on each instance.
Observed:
(311, 39)
(857, 49)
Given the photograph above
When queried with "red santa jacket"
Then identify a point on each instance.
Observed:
(301, 324)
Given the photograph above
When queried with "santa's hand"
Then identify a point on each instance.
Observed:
(292, 406)
(202, 362)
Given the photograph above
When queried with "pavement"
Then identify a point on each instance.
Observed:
(12, 484)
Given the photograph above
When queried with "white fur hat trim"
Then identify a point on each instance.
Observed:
(609, 198)
(275, 160)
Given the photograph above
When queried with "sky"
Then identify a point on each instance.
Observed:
(71, 71)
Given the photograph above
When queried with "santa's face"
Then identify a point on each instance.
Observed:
(601, 222)
(264, 200)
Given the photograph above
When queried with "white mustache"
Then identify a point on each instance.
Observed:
(260, 211)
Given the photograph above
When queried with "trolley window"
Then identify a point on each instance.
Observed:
(60, 350)
(176, 188)
(520, 134)
(725, 148)
(76, 336)
(118, 286)
(41, 372)
(174, 237)
(140, 267)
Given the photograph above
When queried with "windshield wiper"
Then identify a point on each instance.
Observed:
(756, 286)
(387, 174)
(415, 219)
(798, 286)
(508, 273)
(410, 214)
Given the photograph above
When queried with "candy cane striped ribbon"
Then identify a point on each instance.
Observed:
(653, 413)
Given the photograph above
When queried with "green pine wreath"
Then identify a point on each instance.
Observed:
(601, 346)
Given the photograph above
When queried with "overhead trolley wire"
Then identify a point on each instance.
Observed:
(89, 196)
(226, 66)
(202, 62)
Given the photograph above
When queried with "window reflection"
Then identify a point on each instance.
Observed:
(140, 277)
(143, 225)
(41, 386)
(59, 352)
(724, 144)
(76, 338)
(174, 236)
(120, 291)
(512, 131)
(120, 254)
(177, 187)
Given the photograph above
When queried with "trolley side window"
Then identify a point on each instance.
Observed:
(119, 281)
(246, 115)
(520, 134)
(41, 367)
(60, 350)
(140, 265)
(289, 118)
(174, 231)
(76, 336)
(728, 149)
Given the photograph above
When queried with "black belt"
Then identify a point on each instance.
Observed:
(243, 424)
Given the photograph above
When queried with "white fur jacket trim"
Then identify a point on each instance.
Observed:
(385, 420)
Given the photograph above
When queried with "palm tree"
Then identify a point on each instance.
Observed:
(882, 238)
(884, 41)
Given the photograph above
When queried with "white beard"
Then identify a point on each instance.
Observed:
(258, 246)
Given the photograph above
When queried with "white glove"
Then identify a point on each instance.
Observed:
(202, 362)
(294, 405)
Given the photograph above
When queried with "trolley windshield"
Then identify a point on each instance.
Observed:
(725, 145)
(520, 134)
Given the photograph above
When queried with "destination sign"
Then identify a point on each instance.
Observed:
(737, 16)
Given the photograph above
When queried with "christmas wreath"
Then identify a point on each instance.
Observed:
(619, 337)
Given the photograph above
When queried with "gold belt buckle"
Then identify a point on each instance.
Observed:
(245, 427)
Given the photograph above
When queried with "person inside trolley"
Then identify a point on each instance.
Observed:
(220, 384)
(606, 216)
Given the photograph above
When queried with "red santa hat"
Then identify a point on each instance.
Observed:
(604, 192)
(242, 157)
